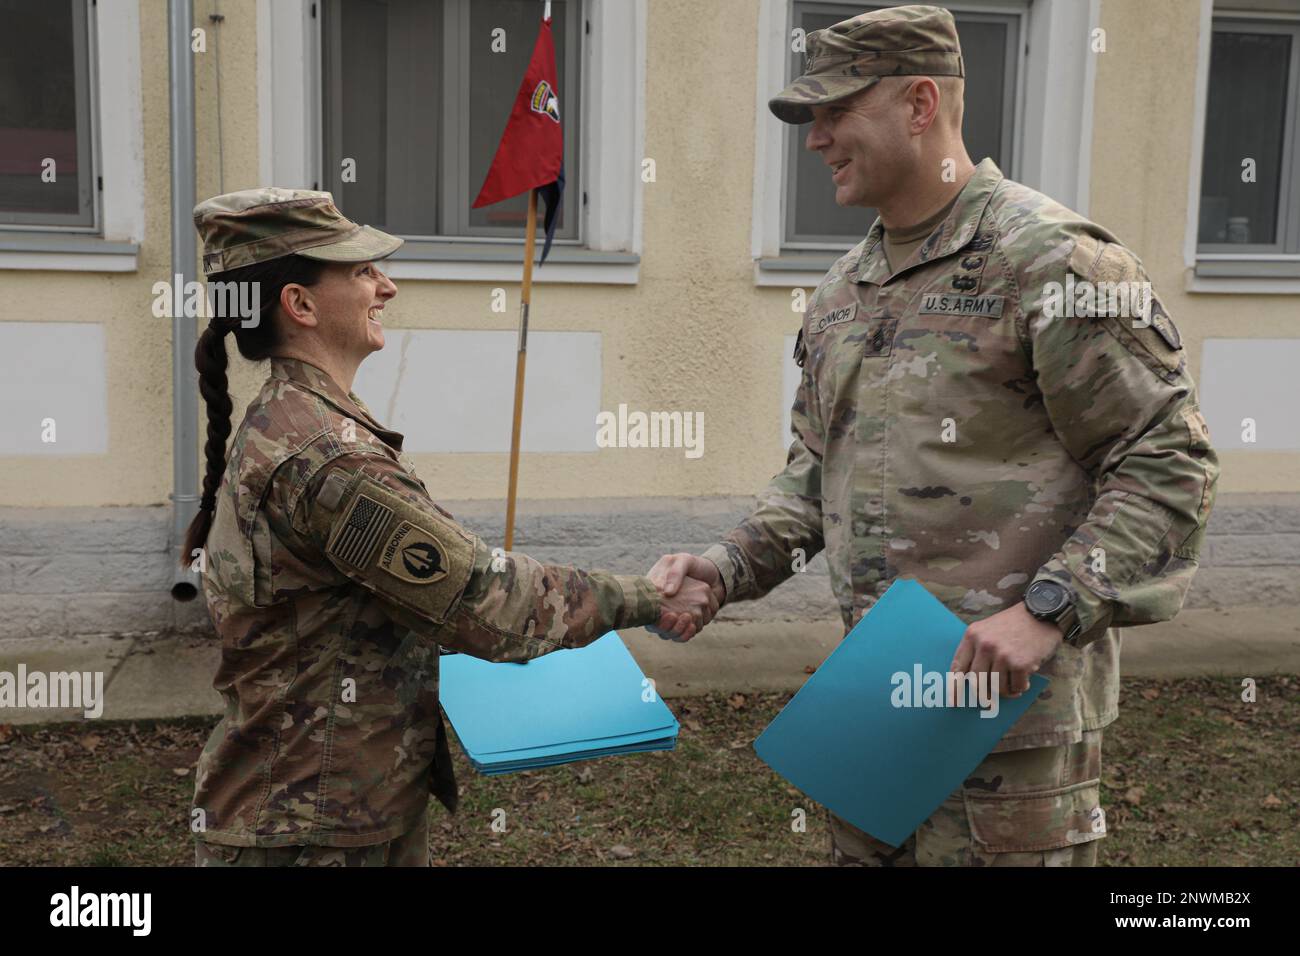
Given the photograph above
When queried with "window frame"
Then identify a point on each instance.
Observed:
(456, 58)
(83, 66)
(1288, 202)
(115, 104)
(455, 177)
(1227, 273)
(610, 142)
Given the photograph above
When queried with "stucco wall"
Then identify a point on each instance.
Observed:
(1141, 161)
(695, 334)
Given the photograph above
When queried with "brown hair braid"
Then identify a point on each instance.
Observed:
(256, 344)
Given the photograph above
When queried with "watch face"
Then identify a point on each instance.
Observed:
(1045, 597)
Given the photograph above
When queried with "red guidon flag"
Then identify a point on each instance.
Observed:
(531, 152)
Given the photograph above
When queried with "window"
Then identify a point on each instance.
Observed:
(990, 44)
(1252, 108)
(47, 173)
(415, 96)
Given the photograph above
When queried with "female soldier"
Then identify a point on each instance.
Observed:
(331, 576)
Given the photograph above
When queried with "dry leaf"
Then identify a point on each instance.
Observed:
(620, 852)
(181, 771)
(91, 741)
(1133, 795)
(809, 669)
(736, 701)
(1272, 801)
(1151, 693)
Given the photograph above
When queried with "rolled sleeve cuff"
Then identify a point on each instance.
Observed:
(737, 578)
(640, 601)
(1092, 612)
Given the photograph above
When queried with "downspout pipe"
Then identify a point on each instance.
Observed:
(185, 403)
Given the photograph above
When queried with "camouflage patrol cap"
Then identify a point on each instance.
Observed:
(854, 54)
(254, 225)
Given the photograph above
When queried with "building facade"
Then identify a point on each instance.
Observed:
(693, 228)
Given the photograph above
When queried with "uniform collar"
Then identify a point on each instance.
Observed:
(957, 229)
(314, 380)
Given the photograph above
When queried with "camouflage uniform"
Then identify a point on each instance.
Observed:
(1069, 435)
(409, 849)
(332, 579)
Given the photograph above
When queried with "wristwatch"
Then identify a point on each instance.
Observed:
(1053, 602)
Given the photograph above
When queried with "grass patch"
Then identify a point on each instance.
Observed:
(1191, 776)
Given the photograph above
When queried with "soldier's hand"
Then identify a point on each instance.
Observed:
(1012, 644)
(668, 575)
(685, 612)
(672, 569)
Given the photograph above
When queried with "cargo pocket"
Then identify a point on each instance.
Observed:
(1198, 447)
(1035, 820)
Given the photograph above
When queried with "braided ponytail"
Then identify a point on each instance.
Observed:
(255, 343)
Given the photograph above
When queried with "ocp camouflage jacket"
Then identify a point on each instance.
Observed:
(332, 578)
(959, 424)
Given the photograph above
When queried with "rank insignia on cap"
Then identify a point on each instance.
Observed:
(545, 102)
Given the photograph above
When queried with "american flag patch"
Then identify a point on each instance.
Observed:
(362, 529)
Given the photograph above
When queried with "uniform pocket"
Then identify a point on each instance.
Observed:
(1036, 820)
(1198, 447)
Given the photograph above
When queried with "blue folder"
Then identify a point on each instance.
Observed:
(566, 706)
(885, 768)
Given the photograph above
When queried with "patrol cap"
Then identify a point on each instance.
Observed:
(254, 225)
(854, 54)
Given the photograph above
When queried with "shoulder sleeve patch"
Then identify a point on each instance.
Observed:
(409, 554)
(1136, 316)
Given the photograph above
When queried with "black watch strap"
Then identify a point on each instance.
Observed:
(1053, 602)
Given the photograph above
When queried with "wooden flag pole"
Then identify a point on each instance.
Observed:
(530, 238)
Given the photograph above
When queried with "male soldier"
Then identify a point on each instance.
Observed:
(332, 576)
(1046, 473)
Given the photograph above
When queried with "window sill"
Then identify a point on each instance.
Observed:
(792, 270)
(1245, 276)
(503, 262)
(66, 253)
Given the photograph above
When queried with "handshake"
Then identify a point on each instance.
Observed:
(690, 593)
